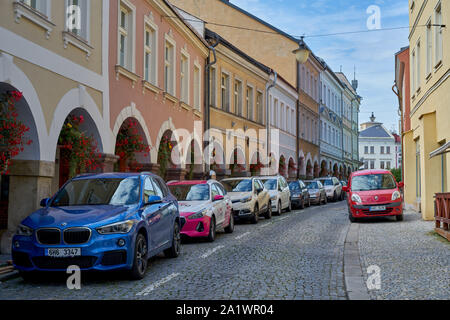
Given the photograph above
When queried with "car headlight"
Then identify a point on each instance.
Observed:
(396, 195)
(119, 227)
(198, 215)
(246, 199)
(356, 198)
(24, 231)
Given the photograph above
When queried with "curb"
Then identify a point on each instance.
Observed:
(353, 274)
(9, 276)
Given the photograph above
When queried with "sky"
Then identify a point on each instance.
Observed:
(371, 53)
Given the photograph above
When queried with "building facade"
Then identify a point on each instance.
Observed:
(331, 125)
(430, 111)
(62, 71)
(377, 146)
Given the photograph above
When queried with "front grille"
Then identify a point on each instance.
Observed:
(368, 212)
(49, 236)
(21, 259)
(113, 258)
(77, 235)
(63, 263)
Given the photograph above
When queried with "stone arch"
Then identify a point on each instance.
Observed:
(194, 160)
(282, 162)
(309, 169)
(302, 164)
(316, 169)
(323, 168)
(292, 168)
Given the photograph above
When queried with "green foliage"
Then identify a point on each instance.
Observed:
(397, 174)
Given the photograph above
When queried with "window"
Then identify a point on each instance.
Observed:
(126, 35)
(388, 150)
(372, 150)
(382, 164)
(249, 103)
(259, 107)
(418, 66)
(366, 165)
(38, 5)
(150, 54)
(413, 72)
(429, 48)
(77, 17)
(149, 189)
(184, 78)
(382, 150)
(438, 33)
(169, 67)
(212, 86)
(225, 92)
(238, 97)
(388, 165)
(372, 164)
(275, 113)
(197, 87)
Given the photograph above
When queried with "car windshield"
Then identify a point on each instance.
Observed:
(373, 182)
(270, 184)
(238, 185)
(294, 186)
(198, 192)
(83, 192)
(327, 182)
(312, 185)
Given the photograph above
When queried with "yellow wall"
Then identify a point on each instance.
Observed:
(430, 106)
(273, 50)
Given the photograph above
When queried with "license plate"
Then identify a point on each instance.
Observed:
(378, 208)
(63, 253)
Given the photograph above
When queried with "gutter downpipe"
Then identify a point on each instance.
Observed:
(268, 119)
(207, 120)
(397, 92)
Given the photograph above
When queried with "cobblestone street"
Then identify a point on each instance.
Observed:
(296, 256)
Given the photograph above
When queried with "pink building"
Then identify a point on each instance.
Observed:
(157, 67)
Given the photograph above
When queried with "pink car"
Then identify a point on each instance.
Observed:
(205, 207)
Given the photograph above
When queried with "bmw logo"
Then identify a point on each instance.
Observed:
(63, 224)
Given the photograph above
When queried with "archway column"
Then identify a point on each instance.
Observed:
(30, 182)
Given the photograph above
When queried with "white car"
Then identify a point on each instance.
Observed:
(279, 192)
(205, 206)
(333, 188)
(249, 198)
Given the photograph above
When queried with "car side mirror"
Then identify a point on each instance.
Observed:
(401, 185)
(218, 198)
(153, 200)
(345, 189)
(44, 202)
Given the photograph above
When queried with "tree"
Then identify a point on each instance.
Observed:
(397, 174)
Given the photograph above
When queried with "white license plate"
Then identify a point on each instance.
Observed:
(378, 208)
(63, 253)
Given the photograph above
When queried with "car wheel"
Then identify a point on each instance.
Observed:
(269, 212)
(278, 209)
(212, 230)
(399, 218)
(309, 202)
(29, 276)
(289, 208)
(335, 197)
(139, 267)
(351, 218)
(230, 227)
(302, 206)
(326, 199)
(174, 250)
(255, 217)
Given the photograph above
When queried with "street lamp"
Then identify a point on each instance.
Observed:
(302, 55)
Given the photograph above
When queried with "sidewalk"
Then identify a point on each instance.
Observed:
(414, 260)
(4, 258)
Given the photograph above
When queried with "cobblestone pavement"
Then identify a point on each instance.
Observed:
(296, 256)
(414, 264)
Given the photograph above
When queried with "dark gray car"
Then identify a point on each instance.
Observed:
(317, 192)
(299, 194)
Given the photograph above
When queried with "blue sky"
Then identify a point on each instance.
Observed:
(371, 53)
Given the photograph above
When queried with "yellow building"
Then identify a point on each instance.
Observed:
(56, 54)
(425, 160)
(237, 108)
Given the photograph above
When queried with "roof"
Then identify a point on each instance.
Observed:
(376, 131)
(345, 81)
(370, 171)
(212, 35)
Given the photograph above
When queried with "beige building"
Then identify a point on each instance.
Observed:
(58, 60)
(425, 160)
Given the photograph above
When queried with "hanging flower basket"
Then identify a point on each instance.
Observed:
(12, 131)
(77, 148)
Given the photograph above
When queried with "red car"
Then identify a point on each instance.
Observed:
(374, 193)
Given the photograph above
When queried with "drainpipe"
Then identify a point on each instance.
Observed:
(207, 119)
(398, 93)
(273, 84)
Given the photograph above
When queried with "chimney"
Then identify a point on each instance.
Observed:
(354, 81)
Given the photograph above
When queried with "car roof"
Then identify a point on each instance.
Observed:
(187, 182)
(370, 171)
(112, 175)
(239, 178)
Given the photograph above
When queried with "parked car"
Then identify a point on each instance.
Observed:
(299, 194)
(279, 192)
(374, 193)
(249, 198)
(205, 206)
(316, 192)
(333, 188)
(100, 222)
(344, 184)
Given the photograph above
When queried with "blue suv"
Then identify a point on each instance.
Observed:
(100, 222)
